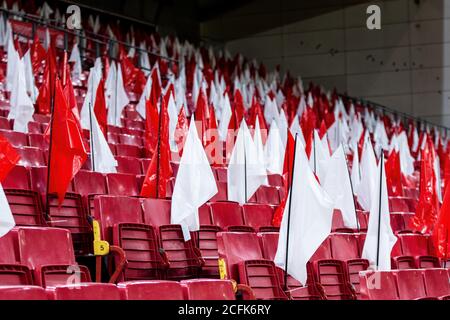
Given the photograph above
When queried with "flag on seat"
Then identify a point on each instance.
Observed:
(441, 231)
(380, 239)
(309, 211)
(394, 175)
(245, 172)
(195, 184)
(67, 154)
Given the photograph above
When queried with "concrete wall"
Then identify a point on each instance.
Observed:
(406, 65)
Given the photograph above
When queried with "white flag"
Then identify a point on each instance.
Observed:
(6, 218)
(22, 108)
(119, 100)
(311, 214)
(77, 67)
(356, 171)
(338, 186)
(257, 139)
(29, 77)
(380, 239)
(195, 184)
(225, 117)
(245, 173)
(274, 150)
(95, 76)
(369, 175)
(13, 57)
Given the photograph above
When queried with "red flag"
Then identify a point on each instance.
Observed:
(38, 54)
(181, 131)
(428, 206)
(151, 126)
(394, 175)
(239, 109)
(8, 157)
(202, 114)
(46, 90)
(441, 231)
(156, 90)
(68, 153)
(323, 130)
(159, 171)
(287, 175)
(100, 107)
(447, 170)
(68, 89)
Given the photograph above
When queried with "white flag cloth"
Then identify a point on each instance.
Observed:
(369, 175)
(195, 184)
(11, 68)
(311, 214)
(101, 156)
(119, 100)
(95, 76)
(356, 171)
(296, 130)
(29, 77)
(257, 139)
(144, 97)
(400, 144)
(379, 224)
(274, 150)
(338, 186)
(270, 110)
(225, 117)
(6, 218)
(320, 156)
(437, 171)
(46, 11)
(173, 120)
(22, 108)
(245, 173)
(76, 59)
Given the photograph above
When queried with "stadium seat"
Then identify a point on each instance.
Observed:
(22, 293)
(275, 180)
(151, 290)
(38, 141)
(88, 185)
(259, 217)
(84, 291)
(129, 165)
(130, 140)
(244, 262)
(120, 184)
(113, 138)
(34, 127)
(12, 273)
(5, 124)
(184, 258)
(128, 151)
(437, 283)
(31, 157)
(268, 195)
(221, 174)
(221, 194)
(49, 253)
(410, 284)
(228, 216)
(208, 289)
(114, 129)
(133, 132)
(17, 139)
(132, 124)
(378, 285)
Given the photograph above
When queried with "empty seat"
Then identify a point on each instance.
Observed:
(133, 132)
(378, 285)
(244, 262)
(38, 141)
(437, 283)
(22, 293)
(49, 253)
(228, 216)
(129, 165)
(130, 140)
(121, 184)
(184, 259)
(34, 127)
(84, 291)
(221, 174)
(17, 139)
(259, 217)
(88, 185)
(128, 151)
(133, 124)
(31, 157)
(151, 290)
(275, 180)
(221, 194)
(5, 124)
(208, 289)
(12, 273)
(410, 284)
(268, 195)
(113, 138)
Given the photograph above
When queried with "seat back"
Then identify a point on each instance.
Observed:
(120, 184)
(156, 212)
(22, 293)
(410, 284)
(436, 282)
(208, 289)
(226, 214)
(129, 165)
(257, 215)
(344, 246)
(415, 245)
(89, 183)
(151, 290)
(85, 291)
(268, 195)
(31, 157)
(378, 285)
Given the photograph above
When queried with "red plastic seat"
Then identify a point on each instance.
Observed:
(221, 174)
(151, 290)
(34, 127)
(31, 157)
(49, 253)
(128, 151)
(22, 293)
(88, 185)
(130, 140)
(113, 138)
(378, 285)
(268, 195)
(415, 245)
(121, 184)
(410, 284)
(208, 289)
(84, 291)
(129, 165)
(259, 217)
(275, 180)
(437, 283)
(38, 141)
(133, 132)
(132, 124)
(221, 194)
(12, 273)
(5, 124)
(114, 129)
(41, 118)
(228, 216)
(17, 139)
(184, 259)
(245, 263)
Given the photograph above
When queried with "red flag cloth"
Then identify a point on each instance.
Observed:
(202, 115)
(287, 175)
(447, 170)
(181, 131)
(159, 171)
(156, 90)
(67, 154)
(308, 122)
(394, 175)
(151, 126)
(68, 90)
(8, 158)
(46, 90)
(323, 130)
(239, 109)
(38, 54)
(441, 231)
(428, 205)
(100, 107)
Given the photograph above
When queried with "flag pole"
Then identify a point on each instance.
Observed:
(446, 251)
(289, 217)
(379, 207)
(351, 186)
(92, 140)
(158, 146)
(115, 94)
(245, 172)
